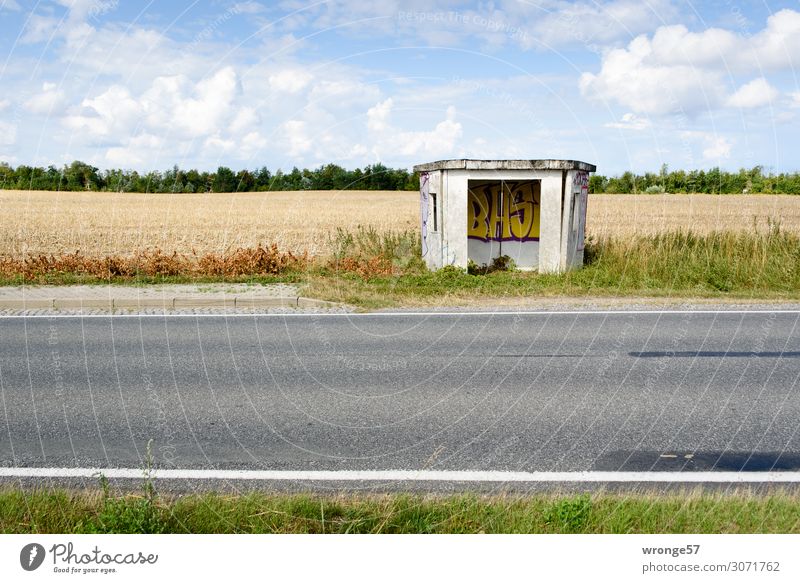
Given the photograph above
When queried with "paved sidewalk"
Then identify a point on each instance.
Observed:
(169, 297)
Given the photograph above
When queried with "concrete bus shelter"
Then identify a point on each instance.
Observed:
(534, 211)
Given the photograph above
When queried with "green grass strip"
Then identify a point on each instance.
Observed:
(695, 511)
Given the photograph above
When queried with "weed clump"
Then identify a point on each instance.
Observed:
(370, 253)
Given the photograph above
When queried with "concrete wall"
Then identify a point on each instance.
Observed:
(573, 228)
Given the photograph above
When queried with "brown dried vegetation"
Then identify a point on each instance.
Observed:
(260, 260)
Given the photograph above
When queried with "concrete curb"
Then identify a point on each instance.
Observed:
(167, 303)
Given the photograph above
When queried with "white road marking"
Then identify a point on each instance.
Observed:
(408, 475)
(387, 314)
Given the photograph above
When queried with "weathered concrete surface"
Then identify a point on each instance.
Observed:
(164, 297)
(467, 164)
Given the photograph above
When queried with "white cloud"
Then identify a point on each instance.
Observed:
(630, 121)
(191, 111)
(600, 23)
(39, 28)
(10, 5)
(717, 149)
(142, 149)
(795, 99)
(679, 70)
(248, 8)
(756, 93)
(439, 142)
(290, 80)
(114, 111)
(352, 91)
(632, 78)
(490, 25)
(218, 145)
(295, 133)
(245, 119)
(378, 116)
(47, 102)
(4, 103)
(776, 46)
(252, 143)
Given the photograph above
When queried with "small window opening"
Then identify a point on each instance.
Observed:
(435, 212)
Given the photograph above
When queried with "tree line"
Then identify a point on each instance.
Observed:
(82, 176)
(713, 181)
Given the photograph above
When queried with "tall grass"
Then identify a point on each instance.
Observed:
(717, 262)
(371, 267)
(755, 264)
(60, 511)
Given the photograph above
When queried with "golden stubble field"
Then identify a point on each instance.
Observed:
(33, 222)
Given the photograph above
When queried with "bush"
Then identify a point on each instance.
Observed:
(500, 263)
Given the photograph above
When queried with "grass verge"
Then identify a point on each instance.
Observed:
(375, 269)
(61, 511)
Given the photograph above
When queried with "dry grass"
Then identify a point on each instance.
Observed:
(249, 261)
(106, 224)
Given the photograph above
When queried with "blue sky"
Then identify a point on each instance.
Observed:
(628, 85)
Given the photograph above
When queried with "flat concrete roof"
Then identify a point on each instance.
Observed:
(464, 164)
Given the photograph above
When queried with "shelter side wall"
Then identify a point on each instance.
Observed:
(454, 218)
(430, 225)
(574, 227)
(551, 223)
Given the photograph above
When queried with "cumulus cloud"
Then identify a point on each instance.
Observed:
(632, 78)
(441, 141)
(756, 93)
(715, 147)
(378, 116)
(114, 111)
(679, 70)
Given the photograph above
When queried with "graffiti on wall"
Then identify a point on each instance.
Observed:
(580, 190)
(504, 211)
(424, 194)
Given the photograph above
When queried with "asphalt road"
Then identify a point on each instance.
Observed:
(548, 392)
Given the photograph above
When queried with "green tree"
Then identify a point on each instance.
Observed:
(224, 180)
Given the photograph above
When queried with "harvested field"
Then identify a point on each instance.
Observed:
(620, 215)
(100, 224)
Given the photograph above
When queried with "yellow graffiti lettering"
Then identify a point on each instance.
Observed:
(520, 216)
(478, 210)
(495, 213)
(504, 211)
(508, 199)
